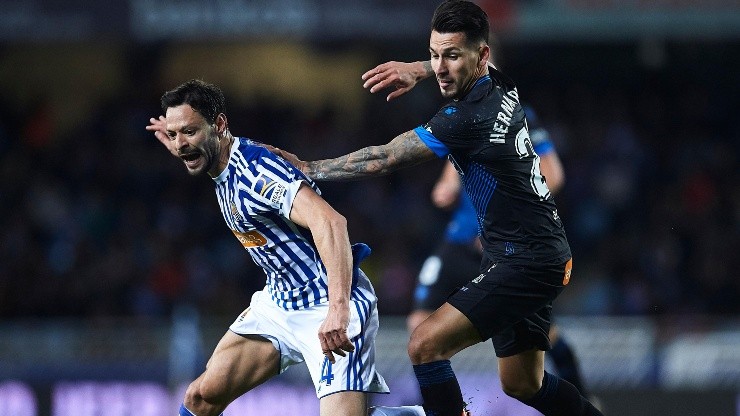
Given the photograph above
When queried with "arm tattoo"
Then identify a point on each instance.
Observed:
(405, 150)
(428, 68)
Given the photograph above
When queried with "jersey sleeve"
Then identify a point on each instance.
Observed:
(276, 183)
(541, 141)
(449, 130)
(432, 142)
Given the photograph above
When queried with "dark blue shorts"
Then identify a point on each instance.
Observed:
(511, 303)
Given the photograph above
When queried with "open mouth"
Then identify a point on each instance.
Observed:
(191, 159)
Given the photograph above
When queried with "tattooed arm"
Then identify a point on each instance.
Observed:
(403, 151)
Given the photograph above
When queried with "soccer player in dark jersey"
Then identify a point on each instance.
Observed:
(483, 132)
(439, 277)
(457, 257)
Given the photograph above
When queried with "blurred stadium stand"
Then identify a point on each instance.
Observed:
(112, 258)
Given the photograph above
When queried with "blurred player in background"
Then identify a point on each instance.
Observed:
(316, 303)
(527, 258)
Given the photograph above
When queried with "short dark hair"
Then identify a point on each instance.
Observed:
(454, 16)
(207, 99)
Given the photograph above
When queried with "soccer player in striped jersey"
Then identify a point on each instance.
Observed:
(316, 303)
(483, 131)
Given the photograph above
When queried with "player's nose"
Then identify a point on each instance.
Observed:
(180, 141)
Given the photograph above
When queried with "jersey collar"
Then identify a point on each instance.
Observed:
(479, 90)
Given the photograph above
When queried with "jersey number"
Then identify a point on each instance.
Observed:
(524, 148)
(326, 373)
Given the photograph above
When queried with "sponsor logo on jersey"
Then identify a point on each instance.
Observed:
(269, 188)
(479, 278)
(568, 269)
(250, 239)
(450, 110)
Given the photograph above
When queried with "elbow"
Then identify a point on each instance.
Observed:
(336, 221)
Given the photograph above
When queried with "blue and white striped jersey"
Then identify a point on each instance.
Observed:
(256, 192)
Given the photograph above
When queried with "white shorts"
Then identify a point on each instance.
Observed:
(295, 335)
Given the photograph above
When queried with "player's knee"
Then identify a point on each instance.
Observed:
(213, 392)
(421, 348)
(520, 388)
(192, 395)
(203, 393)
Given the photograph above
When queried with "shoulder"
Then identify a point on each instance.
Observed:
(251, 150)
(500, 79)
(254, 154)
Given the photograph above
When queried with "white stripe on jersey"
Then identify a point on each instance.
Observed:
(255, 193)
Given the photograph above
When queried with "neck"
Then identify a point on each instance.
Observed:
(224, 151)
(481, 71)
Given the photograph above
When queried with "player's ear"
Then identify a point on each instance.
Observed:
(221, 124)
(484, 54)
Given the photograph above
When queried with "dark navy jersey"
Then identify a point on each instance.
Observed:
(485, 136)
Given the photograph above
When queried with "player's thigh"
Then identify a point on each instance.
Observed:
(344, 403)
(415, 318)
(443, 334)
(238, 364)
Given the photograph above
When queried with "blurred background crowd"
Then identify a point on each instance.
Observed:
(118, 274)
(98, 219)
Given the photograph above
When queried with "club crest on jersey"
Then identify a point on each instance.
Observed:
(269, 188)
(250, 239)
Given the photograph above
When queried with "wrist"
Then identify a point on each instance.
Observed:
(424, 70)
(338, 303)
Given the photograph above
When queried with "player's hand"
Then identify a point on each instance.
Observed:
(333, 333)
(289, 157)
(159, 127)
(402, 76)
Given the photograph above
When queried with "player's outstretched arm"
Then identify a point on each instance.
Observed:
(402, 76)
(159, 127)
(329, 230)
(406, 150)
